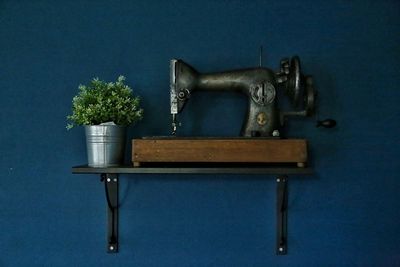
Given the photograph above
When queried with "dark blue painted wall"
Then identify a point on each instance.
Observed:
(347, 214)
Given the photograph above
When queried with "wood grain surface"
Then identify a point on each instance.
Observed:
(219, 150)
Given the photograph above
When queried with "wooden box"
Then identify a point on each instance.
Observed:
(212, 150)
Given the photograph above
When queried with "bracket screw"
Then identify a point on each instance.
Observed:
(108, 180)
(281, 249)
(115, 180)
(111, 247)
(278, 180)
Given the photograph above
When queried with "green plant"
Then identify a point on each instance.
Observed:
(101, 102)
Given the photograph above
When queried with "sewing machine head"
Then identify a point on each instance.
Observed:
(259, 84)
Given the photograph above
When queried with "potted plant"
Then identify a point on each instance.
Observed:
(105, 109)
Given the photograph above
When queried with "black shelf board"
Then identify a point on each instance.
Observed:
(194, 170)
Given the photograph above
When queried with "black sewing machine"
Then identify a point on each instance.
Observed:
(260, 85)
(261, 141)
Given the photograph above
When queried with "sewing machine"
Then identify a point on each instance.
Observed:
(260, 85)
(261, 140)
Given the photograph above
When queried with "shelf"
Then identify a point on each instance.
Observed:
(194, 170)
(111, 181)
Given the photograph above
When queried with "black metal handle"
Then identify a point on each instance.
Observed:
(327, 123)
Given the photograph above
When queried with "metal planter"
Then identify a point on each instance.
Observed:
(105, 145)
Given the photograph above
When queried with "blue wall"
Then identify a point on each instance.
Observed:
(347, 214)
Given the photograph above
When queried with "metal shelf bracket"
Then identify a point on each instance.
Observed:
(282, 199)
(111, 189)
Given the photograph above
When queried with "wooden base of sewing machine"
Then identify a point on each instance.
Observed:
(219, 150)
